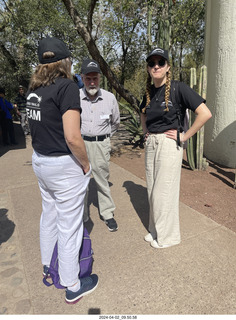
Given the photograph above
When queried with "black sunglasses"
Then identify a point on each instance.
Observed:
(160, 63)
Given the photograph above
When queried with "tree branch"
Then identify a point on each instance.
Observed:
(2, 27)
(90, 15)
(93, 50)
(8, 56)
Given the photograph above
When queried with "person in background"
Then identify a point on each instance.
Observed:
(6, 121)
(20, 103)
(100, 120)
(77, 78)
(164, 145)
(60, 163)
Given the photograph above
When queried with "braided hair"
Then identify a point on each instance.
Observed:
(148, 91)
(167, 89)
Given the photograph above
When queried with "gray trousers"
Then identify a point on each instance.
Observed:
(24, 123)
(99, 157)
(163, 160)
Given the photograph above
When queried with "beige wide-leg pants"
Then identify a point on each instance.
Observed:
(163, 160)
(99, 157)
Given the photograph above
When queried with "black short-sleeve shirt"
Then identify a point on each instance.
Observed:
(45, 107)
(158, 120)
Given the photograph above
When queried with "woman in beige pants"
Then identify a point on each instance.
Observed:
(162, 113)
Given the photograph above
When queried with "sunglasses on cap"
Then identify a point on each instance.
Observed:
(160, 63)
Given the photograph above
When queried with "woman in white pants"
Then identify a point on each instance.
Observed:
(162, 113)
(60, 163)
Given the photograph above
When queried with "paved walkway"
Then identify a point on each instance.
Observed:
(196, 277)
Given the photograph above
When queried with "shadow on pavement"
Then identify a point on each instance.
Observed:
(93, 197)
(20, 139)
(139, 200)
(222, 174)
(94, 311)
(7, 226)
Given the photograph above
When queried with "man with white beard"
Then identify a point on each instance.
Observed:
(100, 120)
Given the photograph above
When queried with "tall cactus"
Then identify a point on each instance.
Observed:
(200, 161)
(191, 145)
(164, 29)
(149, 25)
(196, 143)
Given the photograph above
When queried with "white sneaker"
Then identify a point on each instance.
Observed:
(155, 245)
(149, 237)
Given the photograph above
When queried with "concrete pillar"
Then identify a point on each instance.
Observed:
(220, 59)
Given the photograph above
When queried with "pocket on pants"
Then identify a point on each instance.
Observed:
(89, 172)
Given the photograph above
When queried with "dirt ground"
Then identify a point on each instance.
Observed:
(209, 192)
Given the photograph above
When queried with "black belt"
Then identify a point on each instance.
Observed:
(96, 138)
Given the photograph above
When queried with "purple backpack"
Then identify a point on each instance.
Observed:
(85, 262)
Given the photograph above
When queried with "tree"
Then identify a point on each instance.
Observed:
(187, 36)
(22, 25)
(123, 34)
(86, 33)
(115, 33)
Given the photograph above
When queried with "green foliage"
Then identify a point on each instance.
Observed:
(187, 36)
(137, 84)
(23, 24)
(119, 29)
(132, 124)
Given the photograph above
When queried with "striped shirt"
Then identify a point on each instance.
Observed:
(100, 116)
(20, 101)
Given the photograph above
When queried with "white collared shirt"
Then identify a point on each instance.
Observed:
(100, 116)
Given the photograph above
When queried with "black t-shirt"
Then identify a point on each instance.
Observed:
(158, 120)
(45, 107)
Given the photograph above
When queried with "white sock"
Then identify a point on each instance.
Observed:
(75, 287)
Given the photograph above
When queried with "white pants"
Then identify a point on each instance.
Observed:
(63, 186)
(99, 156)
(163, 160)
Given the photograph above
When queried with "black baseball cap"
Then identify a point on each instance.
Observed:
(90, 65)
(158, 52)
(54, 45)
